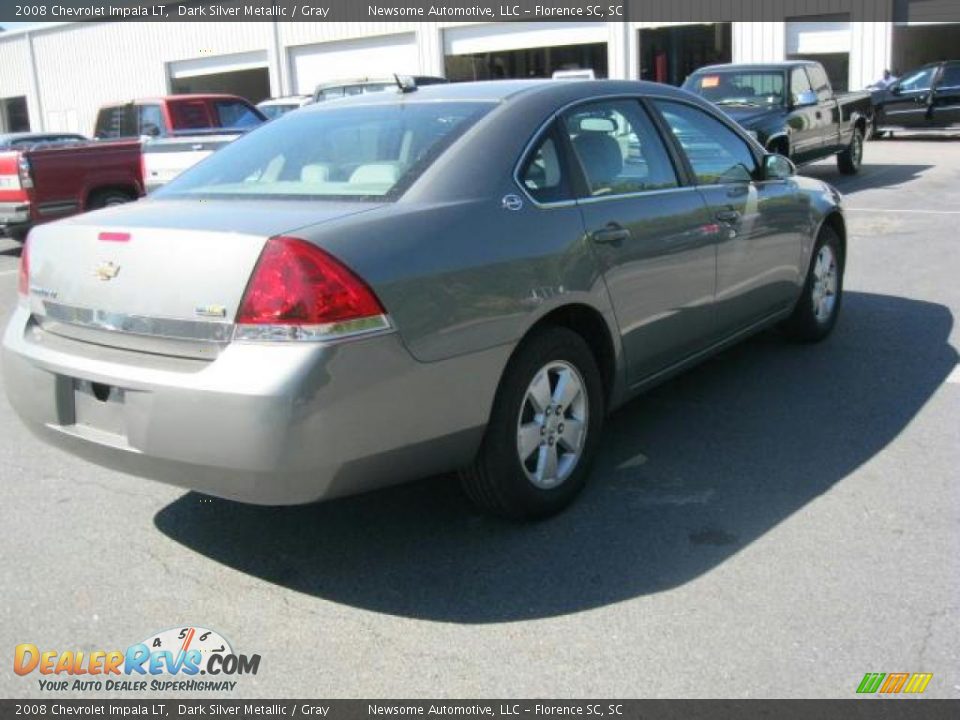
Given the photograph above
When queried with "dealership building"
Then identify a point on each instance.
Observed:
(55, 76)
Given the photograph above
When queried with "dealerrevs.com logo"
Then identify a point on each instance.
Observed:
(171, 660)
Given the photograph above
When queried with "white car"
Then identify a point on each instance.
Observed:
(275, 107)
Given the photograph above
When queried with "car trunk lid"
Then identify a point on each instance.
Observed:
(167, 277)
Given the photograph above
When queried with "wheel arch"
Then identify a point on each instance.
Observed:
(836, 222)
(588, 323)
(94, 192)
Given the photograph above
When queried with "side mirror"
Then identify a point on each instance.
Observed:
(805, 99)
(778, 167)
(896, 90)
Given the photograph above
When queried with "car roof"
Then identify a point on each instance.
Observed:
(502, 90)
(779, 65)
(283, 100)
(168, 98)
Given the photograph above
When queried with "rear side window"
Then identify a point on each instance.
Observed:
(116, 121)
(189, 115)
(236, 114)
(619, 148)
(716, 153)
(543, 174)
(920, 80)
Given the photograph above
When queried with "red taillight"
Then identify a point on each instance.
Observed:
(23, 280)
(296, 283)
(25, 172)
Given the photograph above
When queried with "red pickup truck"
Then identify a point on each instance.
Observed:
(46, 184)
(140, 145)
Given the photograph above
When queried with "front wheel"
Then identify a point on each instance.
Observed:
(544, 429)
(817, 309)
(850, 160)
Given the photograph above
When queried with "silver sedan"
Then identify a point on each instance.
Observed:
(462, 276)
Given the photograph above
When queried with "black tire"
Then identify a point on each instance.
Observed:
(804, 324)
(496, 481)
(850, 160)
(106, 198)
(18, 234)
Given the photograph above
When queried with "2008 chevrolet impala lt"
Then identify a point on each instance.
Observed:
(458, 276)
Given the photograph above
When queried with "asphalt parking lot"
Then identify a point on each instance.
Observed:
(775, 523)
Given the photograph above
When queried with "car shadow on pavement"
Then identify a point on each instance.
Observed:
(870, 177)
(688, 475)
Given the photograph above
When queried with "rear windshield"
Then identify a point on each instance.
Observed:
(370, 151)
(727, 87)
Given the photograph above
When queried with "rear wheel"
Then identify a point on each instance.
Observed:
(106, 198)
(543, 432)
(850, 160)
(819, 305)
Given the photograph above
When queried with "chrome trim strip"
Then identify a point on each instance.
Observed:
(170, 328)
(211, 331)
(326, 333)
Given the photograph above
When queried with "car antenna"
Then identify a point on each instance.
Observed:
(406, 84)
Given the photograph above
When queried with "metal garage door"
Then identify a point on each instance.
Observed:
(817, 35)
(517, 36)
(218, 64)
(378, 57)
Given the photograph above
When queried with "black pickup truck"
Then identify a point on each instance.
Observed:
(790, 108)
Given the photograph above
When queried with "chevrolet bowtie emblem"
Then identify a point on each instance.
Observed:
(106, 271)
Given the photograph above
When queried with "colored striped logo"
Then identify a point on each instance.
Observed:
(892, 683)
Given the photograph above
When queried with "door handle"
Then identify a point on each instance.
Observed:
(819, 115)
(612, 234)
(728, 217)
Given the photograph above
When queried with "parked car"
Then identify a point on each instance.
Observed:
(791, 109)
(178, 131)
(275, 107)
(337, 89)
(923, 100)
(45, 182)
(481, 273)
(21, 140)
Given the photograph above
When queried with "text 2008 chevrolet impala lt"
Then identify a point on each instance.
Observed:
(459, 276)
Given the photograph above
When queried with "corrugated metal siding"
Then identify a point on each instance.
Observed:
(15, 61)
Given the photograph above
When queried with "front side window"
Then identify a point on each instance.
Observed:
(235, 114)
(618, 148)
(542, 174)
(951, 77)
(918, 81)
(799, 83)
(715, 152)
(341, 151)
(820, 81)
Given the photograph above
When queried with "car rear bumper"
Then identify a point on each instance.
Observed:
(275, 424)
(14, 213)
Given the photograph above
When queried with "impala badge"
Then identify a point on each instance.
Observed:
(106, 271)
(213, 311)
